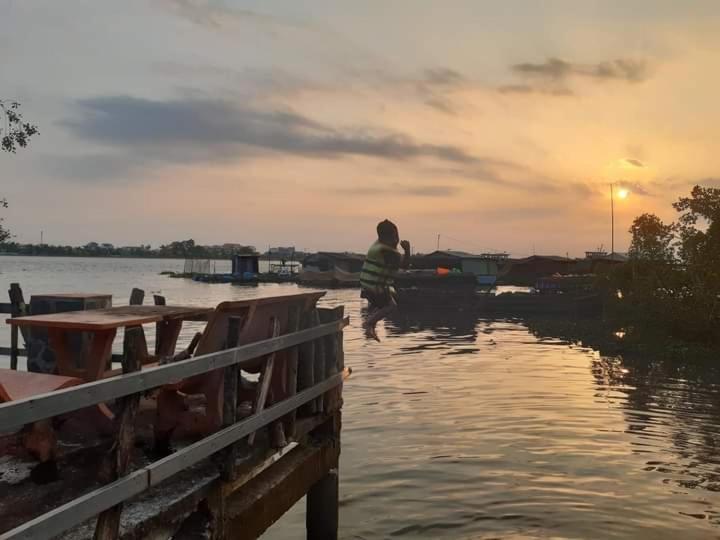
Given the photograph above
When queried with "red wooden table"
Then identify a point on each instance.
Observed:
(103, 324)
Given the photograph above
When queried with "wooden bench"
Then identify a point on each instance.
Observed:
(39, 438)
(16, 385)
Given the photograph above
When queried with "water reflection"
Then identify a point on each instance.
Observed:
(447, 331)
(671, 408)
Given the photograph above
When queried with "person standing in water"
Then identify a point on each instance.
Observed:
(377, 277)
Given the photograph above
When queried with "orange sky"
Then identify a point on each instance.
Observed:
(498, 127)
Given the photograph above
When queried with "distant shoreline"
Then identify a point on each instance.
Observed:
(263, 257)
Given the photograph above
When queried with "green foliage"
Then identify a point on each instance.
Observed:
(4, 233)
(15, 133)
(670, 288)
(652, 240)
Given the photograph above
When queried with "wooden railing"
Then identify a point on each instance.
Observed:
(326, 375)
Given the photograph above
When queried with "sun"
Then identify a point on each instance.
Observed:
(623, 193)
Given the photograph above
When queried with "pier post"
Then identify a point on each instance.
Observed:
(321, 518)
(230, 399)
(108, 522)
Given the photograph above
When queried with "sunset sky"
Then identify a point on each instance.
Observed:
(498, 125)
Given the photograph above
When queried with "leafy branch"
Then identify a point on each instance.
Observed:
(16, 133)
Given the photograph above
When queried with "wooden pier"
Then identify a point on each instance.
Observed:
(199, 447)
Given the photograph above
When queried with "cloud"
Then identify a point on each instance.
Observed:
(443, 77)
(441, 104)
(555, 69)
(189, 130)
(217, 15)
(635, 162)
(634, 188)
(528, 89)
(439, 190)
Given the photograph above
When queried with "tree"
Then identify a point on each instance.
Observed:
(699, 247)
(15, 133)
(4, 233)
(652, 240)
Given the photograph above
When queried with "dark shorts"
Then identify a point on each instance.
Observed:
(379, 300)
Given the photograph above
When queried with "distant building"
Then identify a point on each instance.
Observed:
(528, 270)
(598, 262)
(236, 248)
(282, 252)
(485, 266)
(246, 264)
(325, 261)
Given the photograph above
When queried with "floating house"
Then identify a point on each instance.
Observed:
(598, 262)
(485, 266)
(528, 270)
(329, 269)
(246, 263)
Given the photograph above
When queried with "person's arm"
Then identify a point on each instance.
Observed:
(405, 264)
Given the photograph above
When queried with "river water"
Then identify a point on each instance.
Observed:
(460, 427)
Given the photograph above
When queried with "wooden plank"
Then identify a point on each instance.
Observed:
(292, 368)
(137, 296)
(73, 296)
(306, 367)
(115, 317)
(230, 401)
(108, 523)
(25, 411)
(13, 347)
(78, 510)
(166, 467)
(158, 300)
(265, 379)
(334, 355)
(16, 385)
(18, 308)
(285, 483)
(319, 361)
(62, 518)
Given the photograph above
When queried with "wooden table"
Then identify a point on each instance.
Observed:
(103, 325)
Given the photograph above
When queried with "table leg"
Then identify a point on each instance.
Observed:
(58, 341)
(100, 354)
(167, 336)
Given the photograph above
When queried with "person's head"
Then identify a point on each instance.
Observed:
(387, 233)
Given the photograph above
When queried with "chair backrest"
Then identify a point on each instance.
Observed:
(257, 318)
(136, 297)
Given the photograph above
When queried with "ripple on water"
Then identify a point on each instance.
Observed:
(461, 427)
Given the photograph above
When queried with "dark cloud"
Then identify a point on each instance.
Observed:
(218, 15)
(634, 162)
(441, 104)
(187, 130)
(439, 190)
(555, 69)
(443, 77)
(128, 121)
(528, 89)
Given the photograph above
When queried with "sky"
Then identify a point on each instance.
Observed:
(497, 125)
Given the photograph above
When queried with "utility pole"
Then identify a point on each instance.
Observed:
(438, 243)
(41, 237)
(612, 224)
